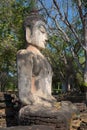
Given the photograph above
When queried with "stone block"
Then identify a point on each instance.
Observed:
(60, 118)
(33, 127)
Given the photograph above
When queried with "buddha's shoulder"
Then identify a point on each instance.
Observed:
(24, 52)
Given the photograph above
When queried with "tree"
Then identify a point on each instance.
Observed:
(67, 21)
(12, 14)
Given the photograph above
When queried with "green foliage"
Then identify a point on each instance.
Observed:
(67, 58)
(12, 14)
(85, 84)
(61, 60)
(79, 79)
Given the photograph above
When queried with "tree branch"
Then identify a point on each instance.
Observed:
(56, 22)
(80, 11)
(76, 59)
(65, 20)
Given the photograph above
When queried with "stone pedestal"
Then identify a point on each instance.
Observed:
(34, 127)
(59, 116)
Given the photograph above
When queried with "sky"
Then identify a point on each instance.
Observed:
(63, 6)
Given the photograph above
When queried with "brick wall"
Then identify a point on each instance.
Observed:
(8, 110)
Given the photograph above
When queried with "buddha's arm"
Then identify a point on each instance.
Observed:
(24, 67)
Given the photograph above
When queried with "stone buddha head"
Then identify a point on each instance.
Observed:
(35, 29)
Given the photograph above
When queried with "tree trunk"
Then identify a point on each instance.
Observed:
(0, 86)
(85, 37)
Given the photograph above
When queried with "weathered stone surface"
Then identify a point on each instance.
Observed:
(81, 106)
(34, 127)
(83, 126)
(83, 118)
(8, 111)
(34, 71)
(34, 78)
(35, 81)
(35, 28)
(51, 116)
(81, 122)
